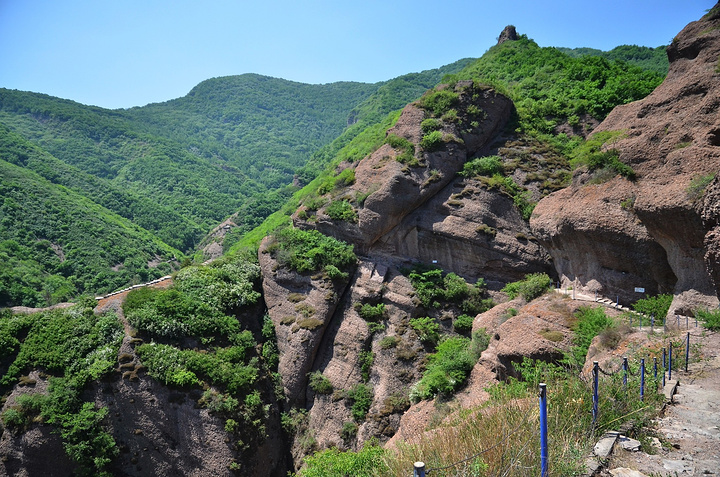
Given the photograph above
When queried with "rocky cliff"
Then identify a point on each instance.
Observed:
(613, 235)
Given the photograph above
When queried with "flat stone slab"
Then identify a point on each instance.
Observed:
(604, 446)
(629, 444)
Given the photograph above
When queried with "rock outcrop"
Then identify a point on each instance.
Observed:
(616, 236)
(300, 306)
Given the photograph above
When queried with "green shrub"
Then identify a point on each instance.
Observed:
(400, 143)
(13, 419)
(432, 141)
(711, 319)
(483, 166)
(366, 360)
(534, 285)
(310, 251)
(333, 463)
(463, 324)
(438, 102)
(334, 273)
(389, 342)
(427, 329)
(361, 397)
(429, 125)
(344, 179)
(447, 369)
(479, 343)
(590, 154)
(370, 312)
(655, 305)
(319, 383)
(348, 431)
(341, 210)
(590, 323)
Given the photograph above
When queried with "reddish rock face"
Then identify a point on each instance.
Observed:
(649, 233)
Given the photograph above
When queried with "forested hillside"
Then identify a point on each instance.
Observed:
(652, 59)
(174, 170)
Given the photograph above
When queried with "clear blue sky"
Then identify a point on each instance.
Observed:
(123, 53)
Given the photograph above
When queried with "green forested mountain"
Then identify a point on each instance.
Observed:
(56, 244)
(174, 170)
(549, 87)
(651, 59)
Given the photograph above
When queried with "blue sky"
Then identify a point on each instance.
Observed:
(132, 52)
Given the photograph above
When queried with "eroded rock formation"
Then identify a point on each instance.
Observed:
(619, 235)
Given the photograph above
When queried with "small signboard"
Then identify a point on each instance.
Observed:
(639, 290)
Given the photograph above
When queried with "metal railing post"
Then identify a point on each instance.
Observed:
(687, 351)
(543, 431)
(419, 469)
(625, 374)
(642, 379)
(596, 379)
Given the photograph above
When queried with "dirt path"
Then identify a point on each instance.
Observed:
(689, 428)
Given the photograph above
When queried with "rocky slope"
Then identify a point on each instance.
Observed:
(616, 235)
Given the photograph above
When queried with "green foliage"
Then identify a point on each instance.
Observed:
(361, 397)
(711, 319)
(370, 312)
(366, 359)
(429, 125)
(650, 59)
(463, 324)
(439, 101)
(590, 323)
(75, 347)
(400, 143)
(547, 86)
(341, 210)
(447, 369)
(698, 186)
(225, 367)
(173, 314)
(432, 141)
(319, 383)
(531, 287)
(590, 154)
(427, 329)
(655, 305)
(55, 244)
(432, 288)
(348, 431)
(309, 251)
(333, 463)
(482, 166)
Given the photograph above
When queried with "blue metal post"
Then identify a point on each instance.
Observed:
(543, 431)
(670, 362)
(655, 366)
(625, 374)
(664, 327)
(596, 398)
(419, 469)
(642, 379)
(687, 351)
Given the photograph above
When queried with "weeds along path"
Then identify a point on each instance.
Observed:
(689, 427)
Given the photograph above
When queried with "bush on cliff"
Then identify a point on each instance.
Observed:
(534, 285)
(311, 251)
